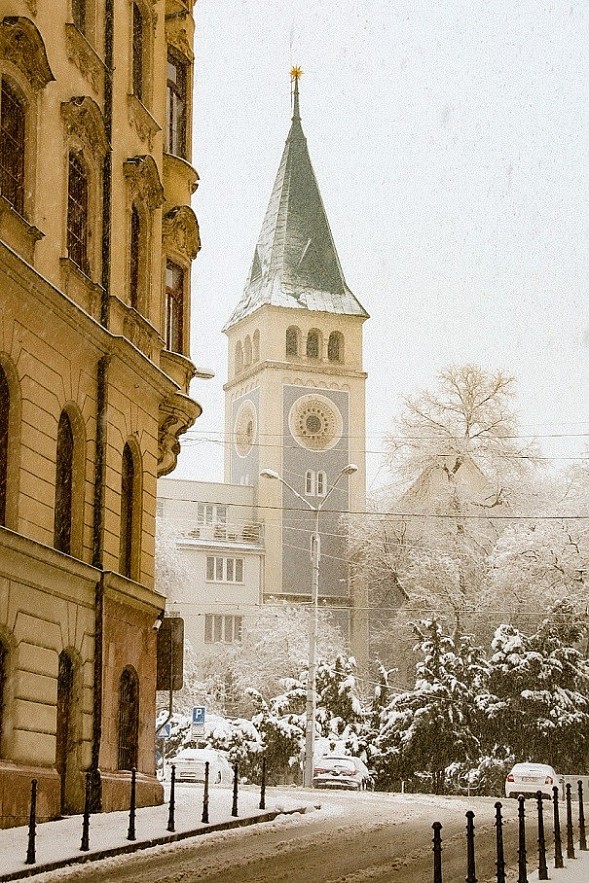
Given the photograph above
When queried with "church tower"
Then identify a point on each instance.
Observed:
(296, 391)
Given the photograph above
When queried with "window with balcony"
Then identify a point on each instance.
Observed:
(12, 146)
(224, 570)
(174, 307)
(222, 628)
(176, 105)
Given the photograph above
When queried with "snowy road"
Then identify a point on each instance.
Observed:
(351, 839)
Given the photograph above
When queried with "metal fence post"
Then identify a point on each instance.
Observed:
(522, 861)
(131, 829)
(582, 835)
(542, 866)
(172, 809)
(85, 844)
(263, 785)
(470, 861)
(235, 786)
(205, 797)
(437, 847)
(558, 860)
(31, 858)
(499, 837)
(570, 842)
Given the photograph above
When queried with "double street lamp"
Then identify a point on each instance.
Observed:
(315, 558)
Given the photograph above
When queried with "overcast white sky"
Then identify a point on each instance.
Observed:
(451, 144)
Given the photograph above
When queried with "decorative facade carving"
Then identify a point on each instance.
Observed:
(177, 414)
(83, 122)
(22, 44)
(145, 125)
(181, 233)
(144, 180)
(32, 4)
(81, 53)
(178, 38)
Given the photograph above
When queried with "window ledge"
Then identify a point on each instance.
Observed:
(81, 53)
(80, 288)
(17, 232)
(144, 123)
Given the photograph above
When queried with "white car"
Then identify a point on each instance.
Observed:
(529, 778)
(190, 766)
(349, 773)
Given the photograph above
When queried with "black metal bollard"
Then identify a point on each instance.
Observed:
(172, 807)
(471, 876)
(522, 861)
(437, 847)
(31, 858)
(85, 844)
(499, 837)
(570, 842)
(558, 860)
(131, 830)
(582, 835)
(542, 866)
(235, 786)
(263, 785)
(205, 797)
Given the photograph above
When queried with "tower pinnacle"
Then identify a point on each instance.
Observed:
(296, 73)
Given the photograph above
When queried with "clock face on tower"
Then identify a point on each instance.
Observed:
(315, 422)
(246, 428)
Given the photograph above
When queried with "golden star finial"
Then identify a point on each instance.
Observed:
(296, 72)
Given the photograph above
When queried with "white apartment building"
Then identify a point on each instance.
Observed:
(223, 549)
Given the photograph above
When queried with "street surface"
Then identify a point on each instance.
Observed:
(382, 838)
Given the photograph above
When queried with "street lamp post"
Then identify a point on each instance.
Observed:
(315, 559)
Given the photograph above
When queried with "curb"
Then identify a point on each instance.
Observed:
(135, 846)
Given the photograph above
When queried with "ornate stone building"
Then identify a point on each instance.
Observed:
(296, 391)
(96, 242)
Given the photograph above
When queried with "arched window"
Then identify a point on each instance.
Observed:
(176, 128)
(247, 351)
(3, 679)
(238, 357)
(77, 213)
(62, 532)
(256, 346)
(128, 719)
(310, 483)
(134, 257)
(313, 345)
(321, 484)
(335, 347)
(138, 60)
(4, 436)
(12, 147)
(130, 502)
(292, 342)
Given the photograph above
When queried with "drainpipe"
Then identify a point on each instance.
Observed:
(101, 417)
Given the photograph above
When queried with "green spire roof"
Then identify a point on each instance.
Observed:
(295, 262)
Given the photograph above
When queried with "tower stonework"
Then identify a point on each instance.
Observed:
(295, 396)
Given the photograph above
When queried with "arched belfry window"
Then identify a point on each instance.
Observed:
(128, 719)
(313, 345)
(130, 514)
(238, 357)
(256, 346)
(335, 347)
(64, 478)
(292, 342)
(12, 146)
(247, 351)
(4, 438)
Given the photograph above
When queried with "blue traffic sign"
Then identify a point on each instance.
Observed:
(198, 715)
